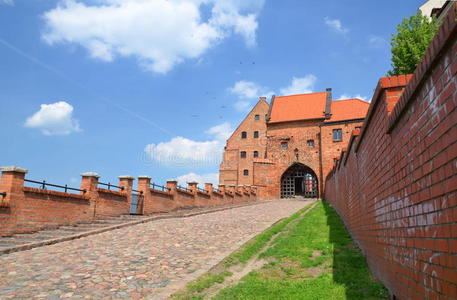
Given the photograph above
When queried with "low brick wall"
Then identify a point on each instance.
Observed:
(395, 186)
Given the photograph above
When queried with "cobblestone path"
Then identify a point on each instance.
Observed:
(145, 261)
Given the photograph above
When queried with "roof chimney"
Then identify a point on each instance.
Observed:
(328, 104)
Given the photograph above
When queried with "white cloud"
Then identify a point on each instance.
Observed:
(158, 33)
(377, 41)
(7, 2)
(336, 25)
(300, 85)
(184, 152)
(249, 90)
(201, 179)
(54, 119)
(242, 105)
(358, 96)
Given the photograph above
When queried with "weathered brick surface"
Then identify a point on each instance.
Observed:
(396, 187)
(26, 209)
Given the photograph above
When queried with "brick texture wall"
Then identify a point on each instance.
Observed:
(396, 185)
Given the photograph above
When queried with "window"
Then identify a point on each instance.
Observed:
(244, 134)
(256, 153)
(245, 172)
(284, 145)
(337, 135)
(358, 127)
(310, 143)
(256, 134)
(243, 154)
(257, 117)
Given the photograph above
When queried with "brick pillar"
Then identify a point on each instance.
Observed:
(221, 188)
(209, 188)
(89, 183)
(192, 186)
(172, 185)
(144, 183)
(231, 188)
(393, 89)
(12, 184)
(126, 181)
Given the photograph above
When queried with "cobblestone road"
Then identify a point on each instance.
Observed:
(145, 261)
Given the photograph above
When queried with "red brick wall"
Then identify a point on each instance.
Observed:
(111, 203)
(396, 187)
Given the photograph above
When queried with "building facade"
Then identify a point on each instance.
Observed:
(288, 146)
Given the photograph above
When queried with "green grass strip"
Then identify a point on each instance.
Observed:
(314, 259)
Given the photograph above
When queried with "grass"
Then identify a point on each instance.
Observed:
(312, 257)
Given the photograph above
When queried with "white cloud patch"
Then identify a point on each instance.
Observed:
(54, 119)
(335, 25)
(249, 90)
(357, 96)
(377, 41)
(7, 2)
(246, 91)
(184, 152)
(201, 179)
(300, 85)
(159, 33)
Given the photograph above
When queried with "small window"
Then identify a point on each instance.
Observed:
(256, 153)
(257, 117)
(256, 134)
(337, 135)
(310, 143)
(358, 127)
(243, 154)
(244, 134)
(284, 145)
(245, 172)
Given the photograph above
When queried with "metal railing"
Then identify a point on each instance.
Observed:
(216, 190)
(184, 188)
(160, 187)
(109, 185)
(138, 192)
(43, 185)
(202, 190)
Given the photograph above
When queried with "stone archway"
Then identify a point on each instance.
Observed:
(299, 180)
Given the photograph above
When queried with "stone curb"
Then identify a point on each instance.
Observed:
(118, 226)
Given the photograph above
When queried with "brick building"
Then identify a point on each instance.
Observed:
(287, 147)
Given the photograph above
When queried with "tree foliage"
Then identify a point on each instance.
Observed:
(414, 34)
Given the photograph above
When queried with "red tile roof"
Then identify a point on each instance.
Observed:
(348, 109)
(312, 106)
(298, 107)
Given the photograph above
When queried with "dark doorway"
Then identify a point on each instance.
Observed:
(298, 185)
(299, 180)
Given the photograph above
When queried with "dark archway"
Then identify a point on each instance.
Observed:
(299, 180)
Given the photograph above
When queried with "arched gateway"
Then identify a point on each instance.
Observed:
(299, 179)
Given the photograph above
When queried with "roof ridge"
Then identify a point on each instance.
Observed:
(302, 94)
(351, 99)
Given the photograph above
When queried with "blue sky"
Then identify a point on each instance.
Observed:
(153, 87)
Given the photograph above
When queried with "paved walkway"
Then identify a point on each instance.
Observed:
(145, 261)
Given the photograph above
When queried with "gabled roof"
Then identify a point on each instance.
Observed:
(298, 107)
(348, 110)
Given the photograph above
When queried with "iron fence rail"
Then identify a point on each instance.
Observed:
(202, 190)
(44, 184)
(160, 187)
(184, 188)
(109, 185)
